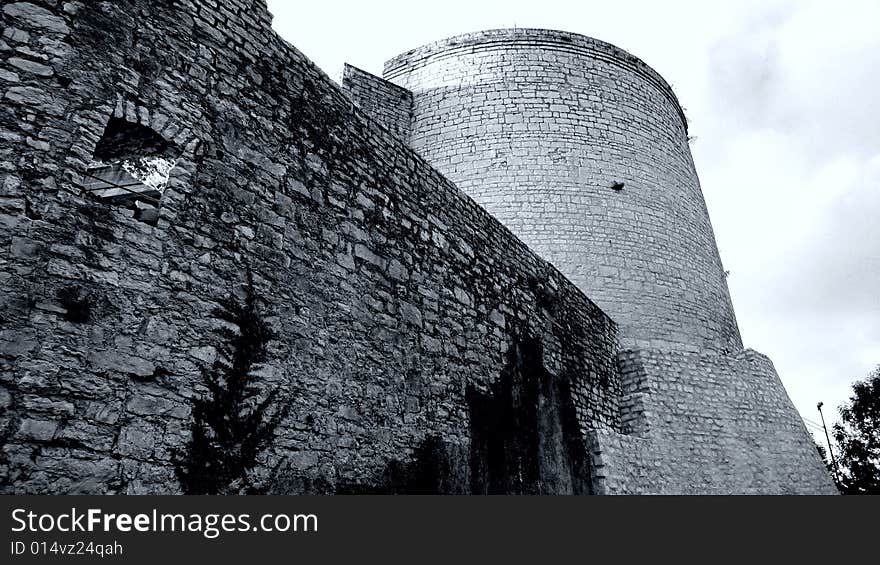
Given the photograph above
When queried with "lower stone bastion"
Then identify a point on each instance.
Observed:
(186, 199)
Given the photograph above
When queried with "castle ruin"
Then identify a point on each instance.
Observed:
(490, 271)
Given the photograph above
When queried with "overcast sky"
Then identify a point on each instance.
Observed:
(783, 99)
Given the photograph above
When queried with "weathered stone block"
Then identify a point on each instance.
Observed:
(37, 430)
(31, 67)
(36, 16)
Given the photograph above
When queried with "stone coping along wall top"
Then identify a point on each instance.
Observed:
(553, 39)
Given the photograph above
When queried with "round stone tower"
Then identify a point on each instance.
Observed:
(581, 150)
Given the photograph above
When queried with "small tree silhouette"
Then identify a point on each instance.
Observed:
(858, 438)
(230, 426)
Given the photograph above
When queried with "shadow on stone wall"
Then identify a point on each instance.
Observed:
(524, 434)
(524, 440)
(235, 421)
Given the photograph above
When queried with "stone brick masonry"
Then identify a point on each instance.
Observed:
(705, 424)
(539, 127)
(395, 296)
(421, 346)
(581, 149)
(387, 103)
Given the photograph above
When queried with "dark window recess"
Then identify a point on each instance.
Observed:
(617, 186)
(131, 167)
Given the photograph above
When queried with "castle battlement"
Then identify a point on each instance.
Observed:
(546, 39)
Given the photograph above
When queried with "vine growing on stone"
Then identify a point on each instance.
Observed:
(232, 424)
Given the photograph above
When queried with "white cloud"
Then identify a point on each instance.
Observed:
(788, 155)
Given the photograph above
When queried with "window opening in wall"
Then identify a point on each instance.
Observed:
(618, 186)
(131, 167)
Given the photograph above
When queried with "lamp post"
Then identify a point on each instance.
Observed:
(827, 438)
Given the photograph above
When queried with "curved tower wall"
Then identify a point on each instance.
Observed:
(538, 126)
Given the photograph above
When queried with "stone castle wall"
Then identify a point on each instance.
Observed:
(705, 424)
(420, 345)
(582, 150)
(384, 101)
(539, 126)
(408, 319)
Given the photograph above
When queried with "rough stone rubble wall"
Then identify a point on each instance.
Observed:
(393, 294)
(538, 126)
(705, 424)
(385, 102)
